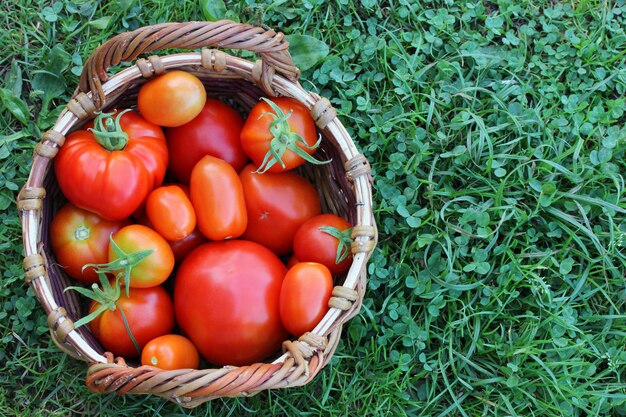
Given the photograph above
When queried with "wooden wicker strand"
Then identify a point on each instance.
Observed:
(213, 60)
(342, 298)
(323, 112)
(270, 45)
(30, 198)
(34, 267)
(82, 106)
(357, 166)
(263, 75)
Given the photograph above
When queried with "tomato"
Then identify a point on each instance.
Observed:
(171, 351)
(215, 131)
(171, 99)
(285, 125)
(170, 212)
(314, 243)
(304, 296)
(218, 199)
(156, 267)
(183, 247)
(226, 301)
(277, 205)
(149, 312)
(79, 237)
(108, 170)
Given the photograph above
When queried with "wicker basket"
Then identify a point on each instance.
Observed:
(344, 187)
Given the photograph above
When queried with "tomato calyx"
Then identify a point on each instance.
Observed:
(106, 295)
(344, 238)
(125, 262)
(82, 232)
(108, 132)
(283, 138)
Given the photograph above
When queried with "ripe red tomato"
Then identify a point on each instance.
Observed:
(293, 138)
(79, 237)
(313, 244)
(183, 247)
(304, 296)
(226, 301)
(149, 312)
(170, 351)
(215, 131)
(218, 199)
(156, 267)
(110, 171)
(171, 99)
(277, 205)
(170, 212)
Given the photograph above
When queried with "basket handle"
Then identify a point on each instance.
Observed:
(270, 45)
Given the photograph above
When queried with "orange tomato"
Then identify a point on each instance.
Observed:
(170, 212)
(171, 99)
(217, 196)
(170, 351)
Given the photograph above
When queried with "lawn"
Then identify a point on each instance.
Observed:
(496, 134)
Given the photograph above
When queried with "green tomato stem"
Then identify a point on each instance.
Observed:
(108, 132)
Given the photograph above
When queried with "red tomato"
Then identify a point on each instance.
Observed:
(79, 237)
(293, 138)
(304, 296)
(218, 199)
(215, 131)
(183, 247)
(149, 312)
(110, 171)
(156, 267)
(171, 351)
(170, 212)
(312, 244)
(171, 99)
(226, 301)
(277, 205)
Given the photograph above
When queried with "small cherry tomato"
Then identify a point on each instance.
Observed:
(153, 269)
(170, 212)
(325, 239)
(79, 237)
(149, 313)
(171, 99)
(170, 351)
(218, 199)
(304, 296)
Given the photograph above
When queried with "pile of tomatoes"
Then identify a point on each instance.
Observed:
(197, 237)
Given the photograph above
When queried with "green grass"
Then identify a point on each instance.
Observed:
(496, 133)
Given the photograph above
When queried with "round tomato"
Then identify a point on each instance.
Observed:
(79, 237)
(149, 313)
(283, 125)
(277, 205)
(171, 99)
(170, 212)
(215, 131)
(170, 351)
(218, 199)
(325, 239)
(151, 270)
(226, 301)
(108, 170)
(304, 296)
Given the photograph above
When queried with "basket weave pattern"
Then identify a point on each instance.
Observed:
(344, 187)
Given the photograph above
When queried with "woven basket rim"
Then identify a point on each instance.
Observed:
(62, 330)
